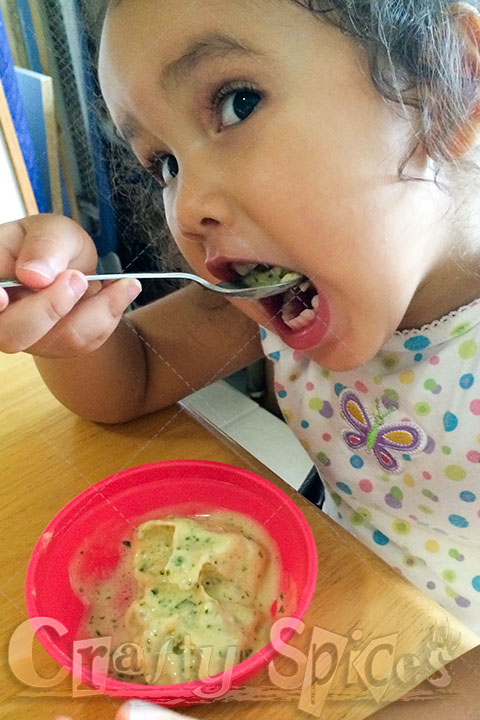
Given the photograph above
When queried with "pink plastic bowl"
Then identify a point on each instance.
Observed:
(104, 513)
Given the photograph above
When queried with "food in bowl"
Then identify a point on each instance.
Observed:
(194, 594)
(102, 517)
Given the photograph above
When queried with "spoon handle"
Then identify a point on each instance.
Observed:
(10, 283)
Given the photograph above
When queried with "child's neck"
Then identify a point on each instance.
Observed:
(455, 285)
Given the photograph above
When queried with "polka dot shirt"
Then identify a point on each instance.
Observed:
(397, 443)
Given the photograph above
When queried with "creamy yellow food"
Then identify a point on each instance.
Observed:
(204, 589)
(261, 275)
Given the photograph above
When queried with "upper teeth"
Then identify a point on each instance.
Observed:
(243, 268)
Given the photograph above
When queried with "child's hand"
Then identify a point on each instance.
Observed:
(138, 710)
(58, 315)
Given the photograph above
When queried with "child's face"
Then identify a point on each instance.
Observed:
(293, 162)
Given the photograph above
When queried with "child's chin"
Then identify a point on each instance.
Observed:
(338, 357)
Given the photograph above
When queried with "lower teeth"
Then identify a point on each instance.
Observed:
(304, 319)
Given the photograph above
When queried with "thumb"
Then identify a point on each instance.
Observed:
(50, 244)
(139, 710)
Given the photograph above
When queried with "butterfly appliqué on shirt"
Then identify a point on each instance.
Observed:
(370, 432)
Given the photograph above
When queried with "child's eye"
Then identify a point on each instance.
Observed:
(164, 169)
(235, 104)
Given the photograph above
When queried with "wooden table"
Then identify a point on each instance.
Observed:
(386, 633)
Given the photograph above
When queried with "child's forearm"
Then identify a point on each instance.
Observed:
(157, 355)
(107, 385)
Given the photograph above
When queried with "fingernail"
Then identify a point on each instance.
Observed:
(134, 289)
(140, 710)
(41, 267)
(78, 284)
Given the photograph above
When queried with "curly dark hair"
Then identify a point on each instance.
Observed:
(418, 57)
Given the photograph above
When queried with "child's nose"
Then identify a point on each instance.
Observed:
(201, 201)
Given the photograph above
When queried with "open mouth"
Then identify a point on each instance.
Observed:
(300, 315)
(295, 306)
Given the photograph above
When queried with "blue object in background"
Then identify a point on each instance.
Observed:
(15, 104)
(30, 87)
(28, 31)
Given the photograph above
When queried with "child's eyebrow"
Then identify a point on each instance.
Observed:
(201, 49)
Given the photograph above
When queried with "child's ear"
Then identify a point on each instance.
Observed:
(468, 20)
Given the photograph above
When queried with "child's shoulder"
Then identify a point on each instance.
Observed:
(447, 328)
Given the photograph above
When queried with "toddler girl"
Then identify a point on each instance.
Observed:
(337, 139)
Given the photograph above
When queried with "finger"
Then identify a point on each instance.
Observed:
(90, 323)
(139, 710)
(50, 244)
(29, 319)
(17, 293)
(11, 238)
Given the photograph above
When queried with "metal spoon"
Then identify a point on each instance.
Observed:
(230, 289)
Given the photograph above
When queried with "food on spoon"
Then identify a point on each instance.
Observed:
(296, 307)
(262, 275)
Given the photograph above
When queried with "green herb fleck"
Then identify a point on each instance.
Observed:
(178, 647)
(184, 603)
